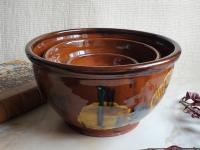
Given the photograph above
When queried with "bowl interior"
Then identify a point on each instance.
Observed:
(101, 52)
(58, 48)
(101, 59)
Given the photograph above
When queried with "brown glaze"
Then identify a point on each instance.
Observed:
(101, 59)
(103, 99)
(107, 133)
(70, 50)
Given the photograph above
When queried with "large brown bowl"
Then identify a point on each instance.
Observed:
(103, 100)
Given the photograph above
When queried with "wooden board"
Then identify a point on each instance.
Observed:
(18, 89)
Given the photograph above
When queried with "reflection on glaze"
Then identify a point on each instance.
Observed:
(161, 89)
(107, 114)
(102, 117)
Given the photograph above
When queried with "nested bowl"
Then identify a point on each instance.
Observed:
(102, 81)
(101, 52)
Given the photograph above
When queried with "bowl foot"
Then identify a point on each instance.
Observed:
(104, 133)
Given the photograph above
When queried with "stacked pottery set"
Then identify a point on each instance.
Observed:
(101, 81)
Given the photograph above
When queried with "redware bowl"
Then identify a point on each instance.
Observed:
(89, 90)
(99, 51)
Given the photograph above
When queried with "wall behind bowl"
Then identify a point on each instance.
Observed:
(21, 20)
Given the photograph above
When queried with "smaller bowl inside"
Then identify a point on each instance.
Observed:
(101, 59)
(101, 52)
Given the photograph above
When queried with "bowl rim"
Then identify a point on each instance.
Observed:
(171, 58)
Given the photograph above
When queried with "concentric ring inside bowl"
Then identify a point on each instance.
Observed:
(101, 59)
(78, 49)
(168, 49)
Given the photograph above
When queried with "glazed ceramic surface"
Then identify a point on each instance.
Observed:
(101, 59)
(100, 48)
(100, 98)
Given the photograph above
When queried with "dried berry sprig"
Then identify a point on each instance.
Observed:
(191, 102)
(172, 148)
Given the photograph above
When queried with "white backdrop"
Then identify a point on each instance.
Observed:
(21, 20)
